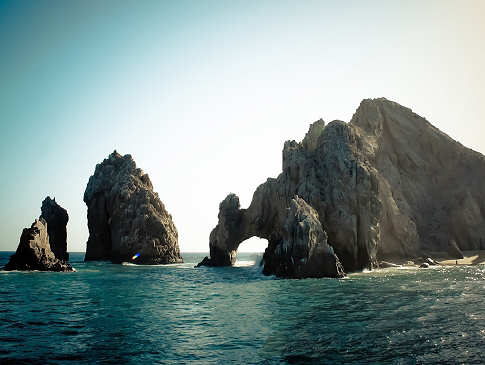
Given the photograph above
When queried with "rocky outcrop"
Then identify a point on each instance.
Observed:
(126, 217)
(56, 218)
(302, 249)
(385, 185)
(34, 251)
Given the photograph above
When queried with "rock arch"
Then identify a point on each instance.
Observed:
(297, 243)
(386, 185)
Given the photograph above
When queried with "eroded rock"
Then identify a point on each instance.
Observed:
(303, 250)
(126, 217)
(34, 251)
(385, 185)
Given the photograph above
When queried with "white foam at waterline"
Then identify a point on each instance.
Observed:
(243, 263)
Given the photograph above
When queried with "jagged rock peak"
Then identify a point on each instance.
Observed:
(126, 217)
(310, 142)
(34, 251)
(56, 218)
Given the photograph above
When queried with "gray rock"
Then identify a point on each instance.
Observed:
(297, 247)
(386, 185)
(431, 262)
(56, 218)
(126, 217)
(303, 250)
(34, 251)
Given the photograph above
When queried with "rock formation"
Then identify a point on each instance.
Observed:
(126, 217)
(56, 218)
(385, 185)
(302, 250)
(34, 251)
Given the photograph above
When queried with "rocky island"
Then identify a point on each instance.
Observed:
(126, 219)
(388, 185)
(43, 246)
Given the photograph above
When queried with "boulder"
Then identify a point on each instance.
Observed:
(56, 218)
(431, 262)
(34, 251)
(386, 185)
(126, 217)
(205, 262)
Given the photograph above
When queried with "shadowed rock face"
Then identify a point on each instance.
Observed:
(56, 218)
(126, 217)
(34, 251)
(302, 250)
(386, 185)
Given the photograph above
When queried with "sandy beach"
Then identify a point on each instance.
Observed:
(470, 258)
(476, 257)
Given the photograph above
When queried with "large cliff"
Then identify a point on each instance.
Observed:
(385, 185)
(126, 218)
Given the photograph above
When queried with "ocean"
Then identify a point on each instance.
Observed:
(176, 314)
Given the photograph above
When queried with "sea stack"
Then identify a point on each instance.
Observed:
(386, 185)
(126, 219)
(34, 251)
(56, 218)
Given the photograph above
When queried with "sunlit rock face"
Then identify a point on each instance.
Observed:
(56, 218)
(126, 217)
(386, 185)
(34, 251)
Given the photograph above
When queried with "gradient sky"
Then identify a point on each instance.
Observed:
(203, 94)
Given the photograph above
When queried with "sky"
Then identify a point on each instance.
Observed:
(203, 94)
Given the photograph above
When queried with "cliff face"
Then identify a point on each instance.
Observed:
(34, 251)
(432, 187)
(388, 184)
(126, 217)
(56, 218)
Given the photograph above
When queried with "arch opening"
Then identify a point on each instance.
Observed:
(250, 252)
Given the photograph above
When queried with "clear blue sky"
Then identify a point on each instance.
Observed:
(204, 93)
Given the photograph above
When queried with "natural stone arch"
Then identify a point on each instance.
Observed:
(297, 243)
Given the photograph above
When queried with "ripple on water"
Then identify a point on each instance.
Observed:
(178, 314)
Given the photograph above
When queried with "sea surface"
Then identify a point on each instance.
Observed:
(176, 314)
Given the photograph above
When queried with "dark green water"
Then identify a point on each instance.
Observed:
(106, 313)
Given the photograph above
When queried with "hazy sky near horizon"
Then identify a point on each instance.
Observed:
(203, 94)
